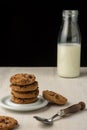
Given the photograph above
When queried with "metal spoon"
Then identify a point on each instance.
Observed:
(62, 113)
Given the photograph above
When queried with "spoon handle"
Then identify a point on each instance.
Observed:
(74, 108)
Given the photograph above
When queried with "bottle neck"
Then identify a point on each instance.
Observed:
(70, 19)
(70, 15)
(70, 22)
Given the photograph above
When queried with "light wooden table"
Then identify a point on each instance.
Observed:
(75, 89)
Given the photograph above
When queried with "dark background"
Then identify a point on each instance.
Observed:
(29, 32)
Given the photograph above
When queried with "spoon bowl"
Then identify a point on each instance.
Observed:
(44, 120)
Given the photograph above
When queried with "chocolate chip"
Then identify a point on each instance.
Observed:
(56, 96)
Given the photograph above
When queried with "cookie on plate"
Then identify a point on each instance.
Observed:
(54, 97)
(28, 94)
(7, 123)
(23, 100)
(25, 88)
(22, 79)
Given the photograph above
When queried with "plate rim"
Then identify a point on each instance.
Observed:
(28, 108)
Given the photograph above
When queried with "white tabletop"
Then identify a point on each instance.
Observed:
(75, 89)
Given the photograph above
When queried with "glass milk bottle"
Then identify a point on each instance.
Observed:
(69, 45)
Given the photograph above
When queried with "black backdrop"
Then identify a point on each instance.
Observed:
(29, 32)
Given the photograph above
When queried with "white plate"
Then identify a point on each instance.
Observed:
(6, 102)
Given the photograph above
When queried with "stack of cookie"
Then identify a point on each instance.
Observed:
(24, 88)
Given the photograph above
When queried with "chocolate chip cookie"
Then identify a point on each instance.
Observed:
(28, 94)
(23, 100)
(25, 88)
(54, 97)
(22, 79)
(7, 123)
